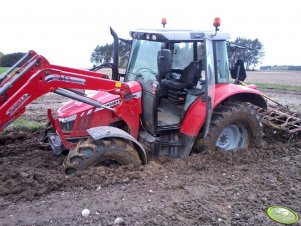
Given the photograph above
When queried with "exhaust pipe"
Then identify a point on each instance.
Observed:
(115, 75)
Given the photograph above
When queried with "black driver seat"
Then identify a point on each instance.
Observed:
(188, 79)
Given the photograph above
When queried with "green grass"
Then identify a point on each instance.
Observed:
(3, 69)
(276, 86)
(23, 124)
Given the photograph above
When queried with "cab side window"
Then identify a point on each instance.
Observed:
(183, 55)
(221, 62)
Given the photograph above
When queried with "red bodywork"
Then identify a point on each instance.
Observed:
(88, 116)
(196, 115)
(39, 77)
(72, 120)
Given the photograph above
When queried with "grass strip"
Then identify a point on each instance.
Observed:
(276, 86)
(23, 124)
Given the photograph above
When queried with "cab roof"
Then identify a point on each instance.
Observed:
(163, 35)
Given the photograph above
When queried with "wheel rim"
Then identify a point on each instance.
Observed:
(55, 140)
(233, 137)
(56, 143)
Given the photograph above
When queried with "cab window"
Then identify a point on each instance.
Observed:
(182, 55)
(221, 62)
(143, 60)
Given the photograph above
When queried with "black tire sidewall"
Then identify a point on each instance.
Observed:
(233, 113)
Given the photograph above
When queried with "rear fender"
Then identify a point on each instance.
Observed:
(239, 93)
(196, 114)
(108, 131)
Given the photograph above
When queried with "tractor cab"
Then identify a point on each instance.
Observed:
(176, 68)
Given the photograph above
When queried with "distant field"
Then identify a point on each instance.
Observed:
(264, 79)
(291, 78)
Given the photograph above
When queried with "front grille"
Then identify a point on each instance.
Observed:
(67, 126)
(84, 122)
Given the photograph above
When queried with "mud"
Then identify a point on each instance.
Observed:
(290, 99)
(216, 188)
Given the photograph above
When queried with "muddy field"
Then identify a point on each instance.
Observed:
(213, 189)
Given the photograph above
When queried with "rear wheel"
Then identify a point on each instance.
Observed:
(90, 153)
(233, 126)
(233, 137)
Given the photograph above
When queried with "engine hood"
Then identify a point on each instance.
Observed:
(75, 107)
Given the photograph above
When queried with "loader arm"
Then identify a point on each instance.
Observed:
(36, 77)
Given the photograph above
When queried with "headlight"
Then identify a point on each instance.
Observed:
(67, 123)
(68, 119)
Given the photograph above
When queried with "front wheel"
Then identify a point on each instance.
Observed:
(233, 126)
(90, 153)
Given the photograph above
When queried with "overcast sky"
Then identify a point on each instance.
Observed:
(67, 31)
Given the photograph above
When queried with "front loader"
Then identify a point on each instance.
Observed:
(175, 99)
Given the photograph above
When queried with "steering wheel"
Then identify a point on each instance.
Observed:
(139, 75)
(145, 69)
(168, 76)
(177, 71)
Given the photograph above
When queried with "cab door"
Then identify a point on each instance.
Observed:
(143, 68)
(210, 83)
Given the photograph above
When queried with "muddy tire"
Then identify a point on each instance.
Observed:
(233, 126)
(91, 153)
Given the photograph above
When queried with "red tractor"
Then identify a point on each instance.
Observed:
(175, 99)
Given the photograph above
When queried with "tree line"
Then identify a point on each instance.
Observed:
(8, 60)
(281, 67)
(250, 51)
(104, 54)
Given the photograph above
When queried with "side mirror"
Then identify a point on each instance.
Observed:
(238, 72)
(164, 60)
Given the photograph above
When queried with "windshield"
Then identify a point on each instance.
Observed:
(143, 61)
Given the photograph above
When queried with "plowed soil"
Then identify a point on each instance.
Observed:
(216, 188)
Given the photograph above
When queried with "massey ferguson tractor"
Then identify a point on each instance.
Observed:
(174, 99)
